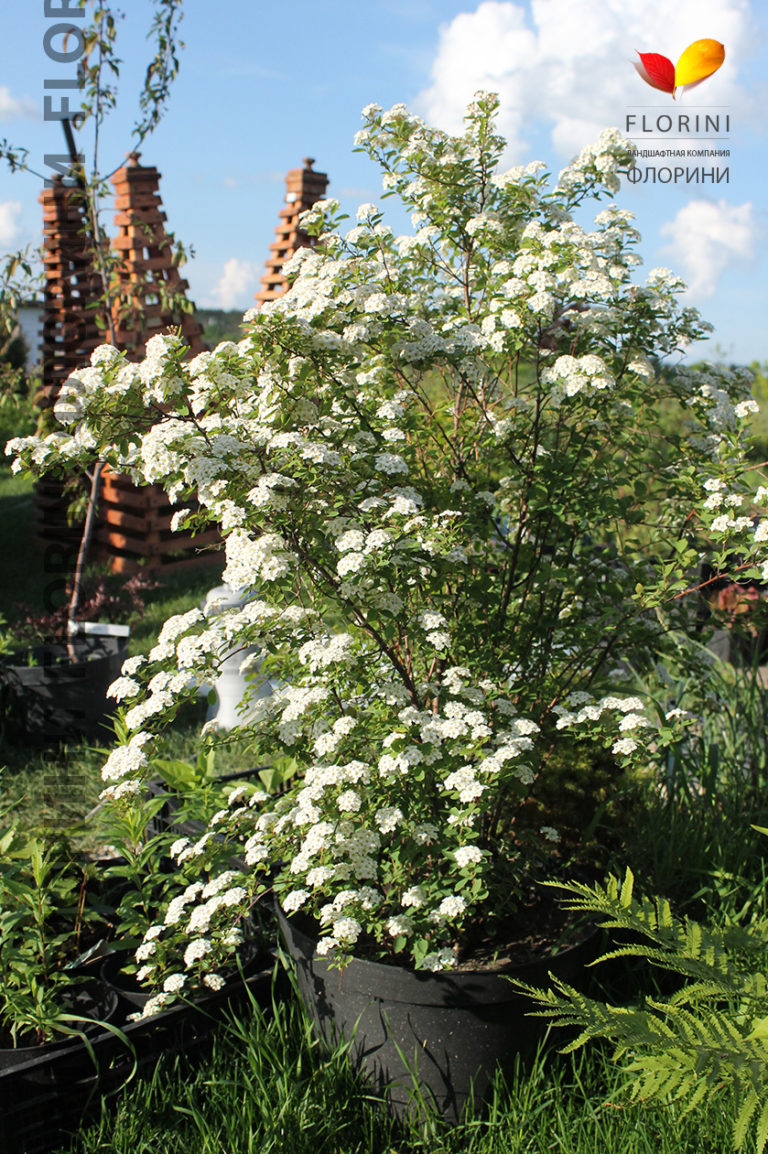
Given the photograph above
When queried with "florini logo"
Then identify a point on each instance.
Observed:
(699, 61)
(710, 129)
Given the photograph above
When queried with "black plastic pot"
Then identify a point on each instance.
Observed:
(420, 1037)
(134, 996)
(93, 1004)
(43, 1100)
(50, 697)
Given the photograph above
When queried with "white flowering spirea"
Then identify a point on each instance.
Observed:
(463, 488)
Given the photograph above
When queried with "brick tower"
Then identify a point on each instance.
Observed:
(303, 188)
(150, 292)
(72, 288)
(149, 296)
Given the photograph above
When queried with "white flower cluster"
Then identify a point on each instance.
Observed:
(249, 560)
(584, 710)
(199, 932)
(579, 374)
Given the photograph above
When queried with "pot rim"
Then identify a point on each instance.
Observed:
(396, 983)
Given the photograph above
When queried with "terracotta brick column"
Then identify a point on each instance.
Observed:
(146, 275)
(72, 288)
(303, 188)
(135, 524)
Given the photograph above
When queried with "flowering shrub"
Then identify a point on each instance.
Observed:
(444, 466)
(186, 922)
(200, 930)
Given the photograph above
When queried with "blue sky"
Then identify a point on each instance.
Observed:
(263, 85)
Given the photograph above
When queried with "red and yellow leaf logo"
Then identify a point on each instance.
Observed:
(699, 61)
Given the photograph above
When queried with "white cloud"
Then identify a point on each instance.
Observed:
(568, 67)
(13, 109)
(10, 211)
(707, 238)
(236, 285)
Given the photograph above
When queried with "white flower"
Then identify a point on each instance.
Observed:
(174, 982)
(399, 925)
(196, 950)
(155, 1004)
(294, 900)
(388, 818)
(352, 539)
(439, 640)
(122, 688)
(126, 760)
(633, 721)
(213, 981)
(326, 946)
(439, 960)
(451, 907)
(351, 563)
(625, 745)
(467, 855)
(346, 930)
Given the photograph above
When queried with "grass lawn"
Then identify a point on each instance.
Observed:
(269, 1087)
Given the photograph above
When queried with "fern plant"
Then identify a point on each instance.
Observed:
(707, 1037)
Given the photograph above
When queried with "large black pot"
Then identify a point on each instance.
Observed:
(419, 1036)
(50, 697)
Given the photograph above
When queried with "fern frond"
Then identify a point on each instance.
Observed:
(761, 1136)
(746, 1113)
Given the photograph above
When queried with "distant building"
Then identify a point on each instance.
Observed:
(30, 316)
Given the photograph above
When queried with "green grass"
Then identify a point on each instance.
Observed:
(22, 576)
(271, 1088)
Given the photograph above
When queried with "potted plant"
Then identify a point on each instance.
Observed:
(55, 670)
(46, 926)
(186, 918)
(469, 499)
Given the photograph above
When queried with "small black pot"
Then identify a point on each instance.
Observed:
(252, 958)
(93, 1004)
(49, 697)
(43, 1100)
(420, 1036)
